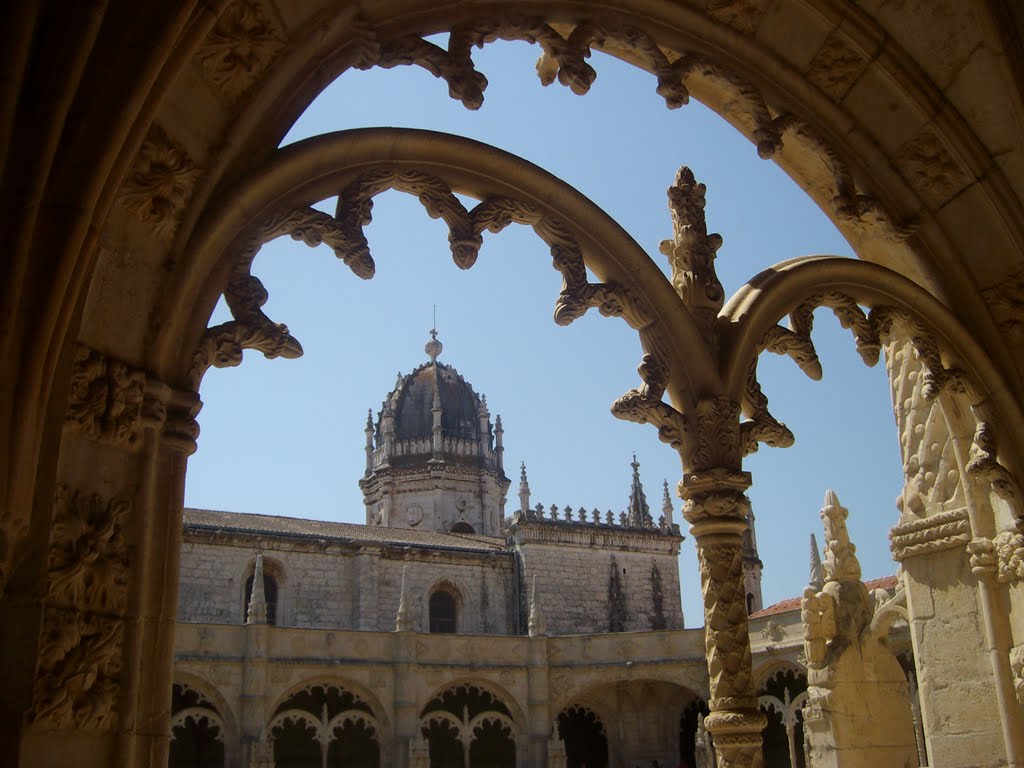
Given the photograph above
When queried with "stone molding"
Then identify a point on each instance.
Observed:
(943, 530)
(599, 536)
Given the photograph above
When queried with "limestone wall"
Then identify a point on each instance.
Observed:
(329, 585)
(575, 587)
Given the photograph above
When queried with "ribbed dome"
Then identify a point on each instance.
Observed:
(413, 398)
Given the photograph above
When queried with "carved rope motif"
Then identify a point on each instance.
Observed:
(943, 530)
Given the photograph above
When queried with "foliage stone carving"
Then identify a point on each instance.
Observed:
(106, 398)
(240, 47)
(77, 683)
(160, 182)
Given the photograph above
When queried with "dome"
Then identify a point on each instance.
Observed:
(412, 403)
(434, 416)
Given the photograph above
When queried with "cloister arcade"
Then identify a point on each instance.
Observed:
(141, 161)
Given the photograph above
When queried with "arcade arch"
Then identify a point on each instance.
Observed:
(52, 266)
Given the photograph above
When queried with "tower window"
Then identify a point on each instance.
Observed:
(442, 612)
(462, 528)
(750, 603)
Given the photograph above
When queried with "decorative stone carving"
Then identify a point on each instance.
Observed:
(240, 47)
(691, 254)
(773, 631)
(81, 643)
(1005, 300)
(1007, 556)
(857, 696)
(984, 465)
(88, 560)
(837, 65)
(77, 681)
(930, 167)
(943, 530)
(106, 398)
(930, 469)
(1017, 671)
(160, 182)
(644, 405)
(742, 15)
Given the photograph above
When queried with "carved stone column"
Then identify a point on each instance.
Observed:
(716, 509)
(106, 650)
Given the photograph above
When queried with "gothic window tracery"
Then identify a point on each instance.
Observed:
(197, 732)
(467, 725)
(325, 725)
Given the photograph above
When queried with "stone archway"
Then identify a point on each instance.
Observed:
(66, 157)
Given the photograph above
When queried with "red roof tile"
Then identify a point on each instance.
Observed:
(793, 603)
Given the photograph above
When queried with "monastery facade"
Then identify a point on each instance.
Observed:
(447, 632)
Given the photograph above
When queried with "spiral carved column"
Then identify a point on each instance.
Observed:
(717, 511)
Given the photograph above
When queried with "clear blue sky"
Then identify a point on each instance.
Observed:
(286, 437)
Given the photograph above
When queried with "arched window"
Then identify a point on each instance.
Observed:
(750, 603)
(442, 612)
(462, 528)
(269, 593)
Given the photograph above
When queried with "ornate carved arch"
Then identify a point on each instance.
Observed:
(377, 714)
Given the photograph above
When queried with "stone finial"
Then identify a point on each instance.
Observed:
(257, 608)
(554, 511)
(638, 514)
(817, 577)
(433, 347)
(539, 511)
(403, 621)
(666, 506)
(596, 516)
(568, 513)
(609, 518)
(536, 624)
(841, 562)
(524, 490)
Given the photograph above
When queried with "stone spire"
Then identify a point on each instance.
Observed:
(817, 577)
(369, 440)
(403, 621)
(499, 447)
(536, 625)
(841, 563)
(666, 508)
(257, 609)
(524, 490)
(638, 515)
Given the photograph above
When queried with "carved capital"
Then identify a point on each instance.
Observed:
(106, 398)
(1009, 552)
(181, 430)
(944, 530)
